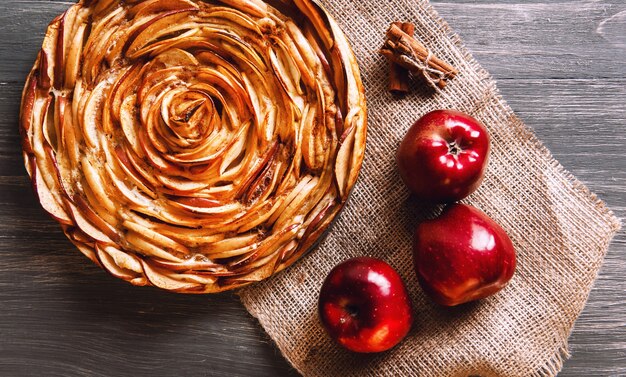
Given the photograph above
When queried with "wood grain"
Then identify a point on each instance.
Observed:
(561, 66)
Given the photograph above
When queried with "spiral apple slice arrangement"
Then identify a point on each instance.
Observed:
(193, 145)
(460, 256)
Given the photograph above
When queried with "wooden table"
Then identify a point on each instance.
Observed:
(561, 66)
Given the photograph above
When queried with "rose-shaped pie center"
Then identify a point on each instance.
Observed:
(190, 116)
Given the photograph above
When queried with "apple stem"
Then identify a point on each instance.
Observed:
(352, 310)
(454, 148)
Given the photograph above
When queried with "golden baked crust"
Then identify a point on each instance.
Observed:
(193, 145)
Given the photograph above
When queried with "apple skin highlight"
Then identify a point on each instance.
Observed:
(443, 156)
(462, 255)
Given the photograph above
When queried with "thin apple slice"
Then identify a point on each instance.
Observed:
(267, 247)
(159, 25)
(72, 65)
(232, 245)
(162, 279)
(156, 238)
(110, 265)
(122, 259)
(199, 264)
(48, 201)
(146, 247)
(151, 7)
(291, 209)
(253, 7)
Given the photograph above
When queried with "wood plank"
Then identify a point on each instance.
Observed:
(581, 122)
(23, 27)
(542, 39)
(10, 141)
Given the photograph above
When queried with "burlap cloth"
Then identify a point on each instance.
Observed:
(560, 230)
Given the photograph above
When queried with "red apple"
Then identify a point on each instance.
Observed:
(443, 156)
(364, 305)
(462, 255)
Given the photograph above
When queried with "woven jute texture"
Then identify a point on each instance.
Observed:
(560, 230)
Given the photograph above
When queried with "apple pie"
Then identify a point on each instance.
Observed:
(193, 145)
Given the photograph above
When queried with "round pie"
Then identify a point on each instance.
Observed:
(193, 145)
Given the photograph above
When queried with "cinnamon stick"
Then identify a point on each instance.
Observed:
(398, 75)
(409, 53)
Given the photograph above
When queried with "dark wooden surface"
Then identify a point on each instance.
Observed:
(560, 65)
